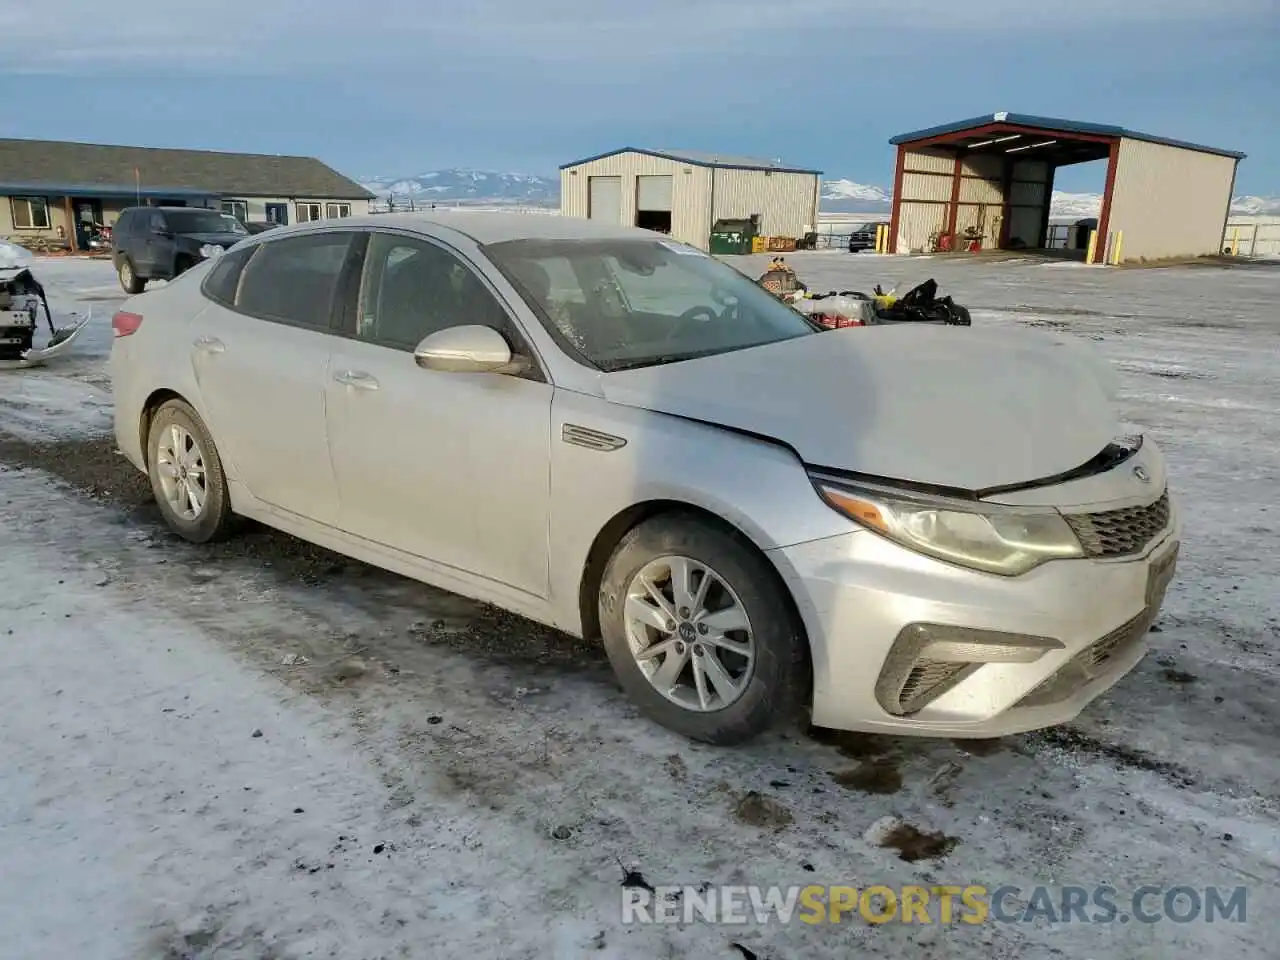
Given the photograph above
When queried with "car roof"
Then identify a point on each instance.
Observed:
(484, 226)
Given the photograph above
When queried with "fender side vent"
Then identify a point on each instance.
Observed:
(591, 439)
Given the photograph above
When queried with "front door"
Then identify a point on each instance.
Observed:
(261, 358)
(277, 213)
(88, 217)
(451, 467)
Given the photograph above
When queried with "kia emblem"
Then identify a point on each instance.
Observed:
(1142, 475)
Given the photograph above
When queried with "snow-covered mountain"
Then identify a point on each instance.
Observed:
(846, 196)
(468, 186)
(838, 196)
(1256, 206)
(1078, 205)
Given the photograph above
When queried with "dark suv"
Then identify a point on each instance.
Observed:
(159, 243)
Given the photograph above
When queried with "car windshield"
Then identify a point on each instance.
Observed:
(203, 221)
(627, 303)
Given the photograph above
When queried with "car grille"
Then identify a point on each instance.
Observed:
(1120, 533)
(1089, 662)
(924, 680)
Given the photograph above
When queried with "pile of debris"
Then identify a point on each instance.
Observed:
(21, 297)
(853, 308)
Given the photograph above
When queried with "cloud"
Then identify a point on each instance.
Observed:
(267, 36)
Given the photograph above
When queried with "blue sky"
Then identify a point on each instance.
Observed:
(395, 87)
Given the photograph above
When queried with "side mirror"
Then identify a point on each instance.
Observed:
(467, 349)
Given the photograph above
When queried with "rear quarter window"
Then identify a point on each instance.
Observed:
(220, 285)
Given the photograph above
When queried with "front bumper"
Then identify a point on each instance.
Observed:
(864, 599)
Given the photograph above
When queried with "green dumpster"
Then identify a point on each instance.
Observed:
(731, 237)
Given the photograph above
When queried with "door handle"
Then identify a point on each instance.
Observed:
(354, 378)
(210, 345)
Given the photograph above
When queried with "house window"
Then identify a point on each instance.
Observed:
(310, 211)
(333, 211)
(236, 208)
(30, 213)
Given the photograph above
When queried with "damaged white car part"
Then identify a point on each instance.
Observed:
(21, 297)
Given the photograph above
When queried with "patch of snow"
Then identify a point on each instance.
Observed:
(12, 255)
(455, 795)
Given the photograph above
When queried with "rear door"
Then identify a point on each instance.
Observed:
(451, 467)
(261, 358)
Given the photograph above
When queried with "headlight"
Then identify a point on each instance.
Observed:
(210, 250)
(995, 539)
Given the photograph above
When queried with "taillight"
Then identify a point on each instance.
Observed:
(125, 323)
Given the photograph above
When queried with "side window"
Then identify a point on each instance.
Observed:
(221, 283)
(157, 223)
(412, 288)
(293, 280)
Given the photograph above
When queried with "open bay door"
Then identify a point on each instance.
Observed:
(653, 203)
(604, 201)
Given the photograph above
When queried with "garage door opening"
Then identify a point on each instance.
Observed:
(1075, 205)
(653, 203)
(989, 184)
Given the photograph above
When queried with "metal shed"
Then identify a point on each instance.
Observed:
(990, 179)
(683, 192)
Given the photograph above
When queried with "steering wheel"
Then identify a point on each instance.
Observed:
(698, 314)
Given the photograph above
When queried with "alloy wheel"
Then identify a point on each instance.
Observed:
(181, 470)
(689, 633)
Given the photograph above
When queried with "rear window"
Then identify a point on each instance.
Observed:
(203, 221)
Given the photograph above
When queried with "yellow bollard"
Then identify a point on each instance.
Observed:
(882, 238)
(1093, 246)
(1235, 241)
(1115, 254)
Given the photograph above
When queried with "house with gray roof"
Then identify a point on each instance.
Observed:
(54, 190)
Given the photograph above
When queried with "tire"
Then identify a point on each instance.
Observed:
(129, 280)
(770, 687)
(173, 425)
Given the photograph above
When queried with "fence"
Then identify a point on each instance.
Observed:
(411, 204)
(1252, 238)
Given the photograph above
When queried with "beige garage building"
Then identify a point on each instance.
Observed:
(987, 183)
(683, 193)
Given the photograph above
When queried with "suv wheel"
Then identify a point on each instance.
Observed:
(129, 280)
(699, 631)
(186, 474)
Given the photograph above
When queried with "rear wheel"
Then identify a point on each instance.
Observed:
(186, 474)
(129, 280)
(699, 631)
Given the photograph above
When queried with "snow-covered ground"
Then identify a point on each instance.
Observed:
(260, 749)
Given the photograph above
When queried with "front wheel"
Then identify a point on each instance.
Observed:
(699, 631)
(186, 474)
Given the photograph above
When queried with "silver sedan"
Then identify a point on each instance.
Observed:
(912, 530)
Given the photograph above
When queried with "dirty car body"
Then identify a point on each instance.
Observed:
(917, 530)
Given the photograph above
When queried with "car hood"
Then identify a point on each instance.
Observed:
(948, 406)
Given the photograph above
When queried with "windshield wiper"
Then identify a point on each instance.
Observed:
(630, 363)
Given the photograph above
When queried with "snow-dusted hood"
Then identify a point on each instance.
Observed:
(952, 406)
